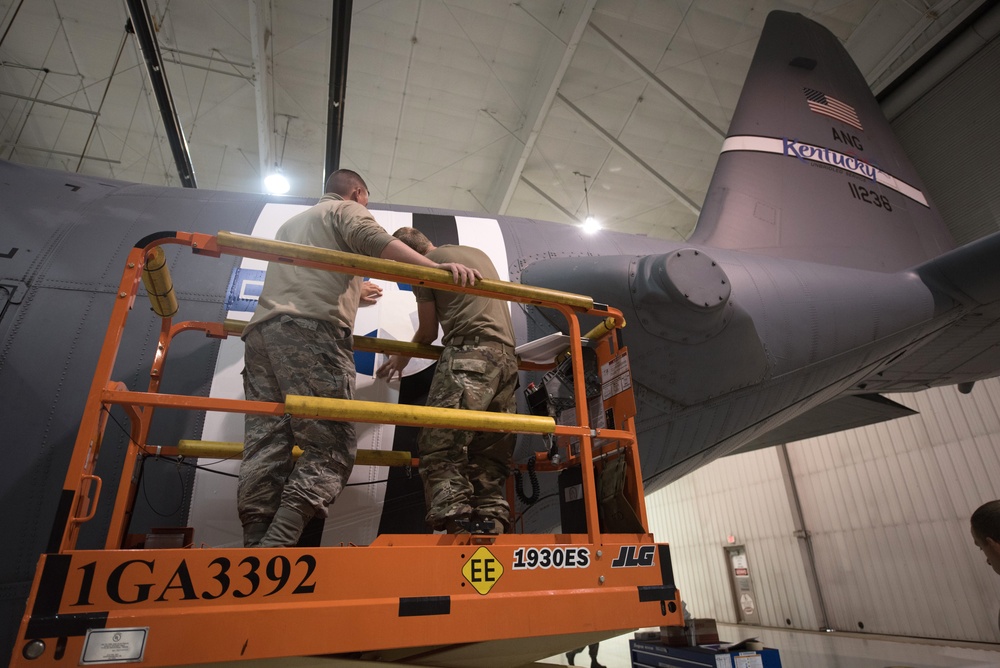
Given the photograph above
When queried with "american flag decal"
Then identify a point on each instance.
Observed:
(828, 106)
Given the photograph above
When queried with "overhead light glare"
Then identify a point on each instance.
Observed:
(590, 224)
(277, 184)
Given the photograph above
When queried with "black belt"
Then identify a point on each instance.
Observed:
(479, 341)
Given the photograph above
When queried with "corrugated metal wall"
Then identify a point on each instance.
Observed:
(888, 508)
(744, 497)
(951, 135)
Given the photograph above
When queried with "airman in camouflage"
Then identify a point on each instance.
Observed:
(464, 472)
(299, 342)
(276, 352)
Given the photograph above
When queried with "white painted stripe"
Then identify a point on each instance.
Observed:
(485, 234)
(821, 154)
(891, 181)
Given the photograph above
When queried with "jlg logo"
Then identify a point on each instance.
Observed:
(631, 555)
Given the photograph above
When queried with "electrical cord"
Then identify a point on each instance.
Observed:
(182, 461)
(519, 484)
(145, 495)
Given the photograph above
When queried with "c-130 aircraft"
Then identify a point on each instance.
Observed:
(819, 275)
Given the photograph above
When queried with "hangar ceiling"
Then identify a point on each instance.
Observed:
(489, 106)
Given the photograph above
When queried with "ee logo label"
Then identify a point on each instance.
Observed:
(482, 570)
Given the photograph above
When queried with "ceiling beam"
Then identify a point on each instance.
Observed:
(658, 83)
(550, 76)
(260, 48)
(340, 44)
(950, 27)
(11, 23)
(594, 125)
(25, 147)
(34, 99)
(932, 64)
(142, 24)
(569, 214)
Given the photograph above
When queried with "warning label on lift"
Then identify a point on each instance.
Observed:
(482, 570)
(615, 376)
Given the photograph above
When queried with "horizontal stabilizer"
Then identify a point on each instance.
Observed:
(848, 412)
(969, 275)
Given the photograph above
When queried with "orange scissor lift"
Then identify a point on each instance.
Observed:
(422, 597)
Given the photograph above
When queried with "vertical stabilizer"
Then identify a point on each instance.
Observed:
(810, 169)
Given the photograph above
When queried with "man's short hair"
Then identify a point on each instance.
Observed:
(986, 520)
(344, 181)
(414, 238)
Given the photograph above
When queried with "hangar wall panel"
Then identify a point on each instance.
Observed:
(743, 496)
(952, 135)
(888, 509)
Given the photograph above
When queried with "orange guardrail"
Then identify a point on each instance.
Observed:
(165, 606)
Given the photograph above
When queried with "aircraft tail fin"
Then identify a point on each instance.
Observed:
(811, 169)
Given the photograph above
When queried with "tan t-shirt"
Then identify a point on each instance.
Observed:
(334, 223)
(468, 315)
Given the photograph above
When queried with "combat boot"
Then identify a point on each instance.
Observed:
(457, 524)
(491, 525)
(285, 529)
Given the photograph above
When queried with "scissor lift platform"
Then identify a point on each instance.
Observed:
(161, 607)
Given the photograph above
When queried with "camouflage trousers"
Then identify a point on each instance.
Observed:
(289, 355)
(465, 472)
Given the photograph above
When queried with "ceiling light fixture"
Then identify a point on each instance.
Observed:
(590, 224)
(276, 183)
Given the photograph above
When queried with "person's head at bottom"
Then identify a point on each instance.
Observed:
(985, 524)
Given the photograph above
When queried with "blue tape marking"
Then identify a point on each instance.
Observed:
(364, 362)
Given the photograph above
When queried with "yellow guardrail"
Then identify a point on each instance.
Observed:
(232, 450)
(159, 284)
(406, 273)
(354, 410)
(597, 332)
